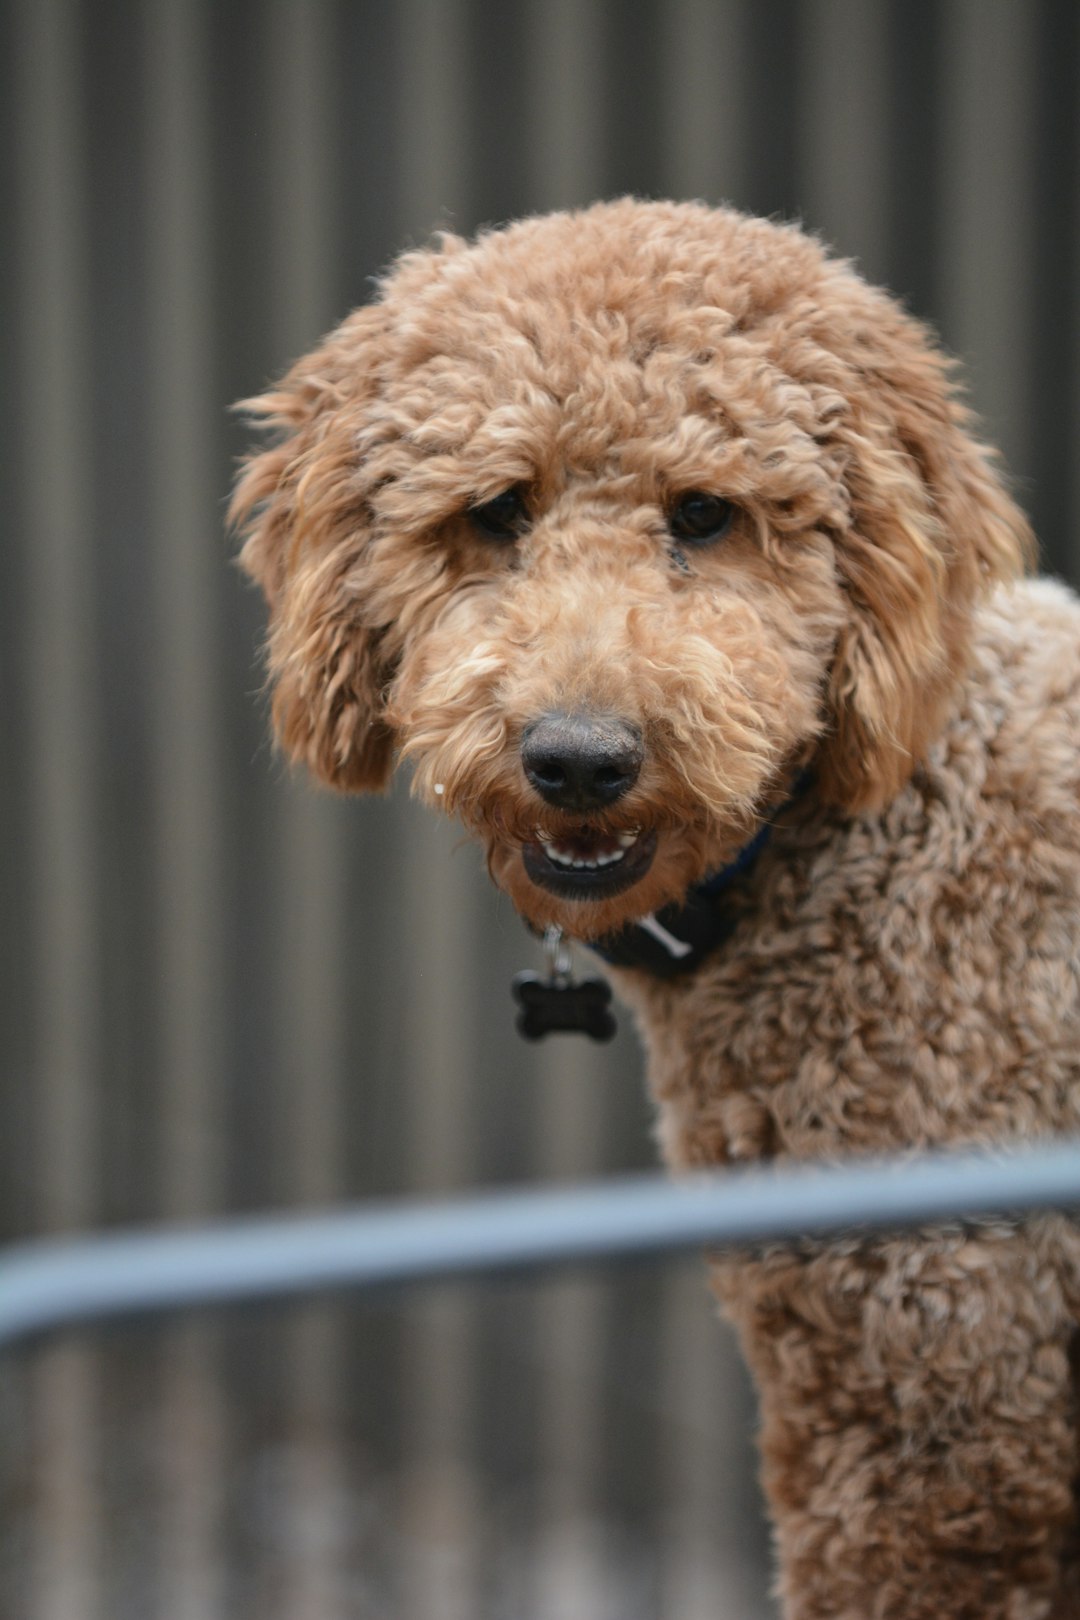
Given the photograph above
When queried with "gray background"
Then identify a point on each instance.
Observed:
(220, 990)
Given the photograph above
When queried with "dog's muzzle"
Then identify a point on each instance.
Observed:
(582, 765)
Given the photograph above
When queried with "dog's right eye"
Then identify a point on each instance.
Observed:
(699, 518)
(504, 517)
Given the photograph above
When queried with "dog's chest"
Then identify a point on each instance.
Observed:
(902, 981)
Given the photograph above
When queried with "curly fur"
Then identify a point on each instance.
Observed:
(904, 968)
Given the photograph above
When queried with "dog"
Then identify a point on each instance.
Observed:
(663, 549)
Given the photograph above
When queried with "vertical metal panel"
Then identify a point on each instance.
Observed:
(18, 894)
(429, 125)
(841, 129)
(571, 1577)
(986, 161)
(188, 558)
(368, 49)
(191, 1456)
(629, 89)
(243, 206)
(716, 1552)
(495, 155)
(114, 529)
(1054, 293)
(705, 93)
(772, 65)
(1068, 549)
(564, 50)
(441, 1525)
(569, 1325)
(188, 769)
(914, 109)
(61, 768)
(62, 765)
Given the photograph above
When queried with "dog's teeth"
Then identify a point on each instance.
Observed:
(566, 857)
(570, 857)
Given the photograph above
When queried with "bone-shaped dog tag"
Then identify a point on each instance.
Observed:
(559, 1003)
(581, 1007)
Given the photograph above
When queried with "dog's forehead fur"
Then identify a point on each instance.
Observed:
(630, 272)
(648, 344)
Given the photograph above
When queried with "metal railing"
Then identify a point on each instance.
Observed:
(46, 1285)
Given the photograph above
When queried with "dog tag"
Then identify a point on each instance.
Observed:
(560, 1003)
(580, 1007)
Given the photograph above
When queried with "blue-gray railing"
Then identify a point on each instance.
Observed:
(50, 1284)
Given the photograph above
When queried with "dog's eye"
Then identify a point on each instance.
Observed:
(504, 517)
(697, 518)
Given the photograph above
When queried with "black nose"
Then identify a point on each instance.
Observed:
(581, 762)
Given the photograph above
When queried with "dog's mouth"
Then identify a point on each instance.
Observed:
(589, 865)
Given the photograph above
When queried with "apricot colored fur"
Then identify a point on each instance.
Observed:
(904, 970)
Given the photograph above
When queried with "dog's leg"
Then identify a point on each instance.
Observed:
(919, 1425)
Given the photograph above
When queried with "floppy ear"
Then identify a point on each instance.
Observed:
(302, 506)
(931, 530)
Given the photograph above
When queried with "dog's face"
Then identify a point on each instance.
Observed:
(612, 523)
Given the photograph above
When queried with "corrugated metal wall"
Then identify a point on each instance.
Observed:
(221, 991)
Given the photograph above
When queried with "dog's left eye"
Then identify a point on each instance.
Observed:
(504, 517)
(697, 518)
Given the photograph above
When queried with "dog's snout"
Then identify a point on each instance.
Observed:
(581, 762)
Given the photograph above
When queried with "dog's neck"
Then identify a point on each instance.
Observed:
(675, 940)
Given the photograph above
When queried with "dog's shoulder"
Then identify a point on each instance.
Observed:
(1021, 704)
(1028, 620)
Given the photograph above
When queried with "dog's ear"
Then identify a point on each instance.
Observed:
(302, 507)
(931, 529)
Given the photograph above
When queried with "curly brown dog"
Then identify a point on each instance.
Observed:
(660, 545)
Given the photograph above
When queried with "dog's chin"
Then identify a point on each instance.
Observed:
(605, 890)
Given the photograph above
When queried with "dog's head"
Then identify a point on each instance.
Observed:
(611, 523)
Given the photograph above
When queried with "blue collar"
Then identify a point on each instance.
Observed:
(675, 940)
